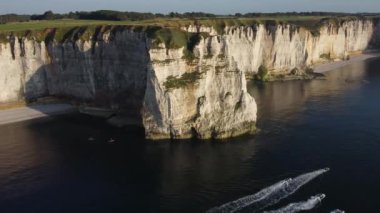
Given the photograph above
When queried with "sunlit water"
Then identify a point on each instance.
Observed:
(50, 165)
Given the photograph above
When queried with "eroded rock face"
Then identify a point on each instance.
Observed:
(123, 72)
(217, 104)
(281, 48)
(110, 72)
(175, 94)
(214, 104)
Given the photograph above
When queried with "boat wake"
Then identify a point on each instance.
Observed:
(338, 211)
(301, 206)
(241, 203)
(270, 195)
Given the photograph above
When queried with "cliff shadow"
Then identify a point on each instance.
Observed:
(103, 78)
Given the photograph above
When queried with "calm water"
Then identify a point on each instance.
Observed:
(49, 165)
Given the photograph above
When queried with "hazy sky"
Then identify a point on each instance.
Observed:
(214, 6)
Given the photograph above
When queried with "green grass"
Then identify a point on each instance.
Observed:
(325, 56)
(171, 37)
(262, 74)
(40, 25)
(217, 23)
(180, 82)
(164, 30)
(163, 62)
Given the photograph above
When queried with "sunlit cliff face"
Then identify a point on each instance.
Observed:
(282, 48)
(174, 97)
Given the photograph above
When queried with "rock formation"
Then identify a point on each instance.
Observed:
(194, 87)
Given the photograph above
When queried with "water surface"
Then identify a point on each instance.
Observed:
(50, 165)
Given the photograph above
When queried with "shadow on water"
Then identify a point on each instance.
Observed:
(60, 169)
(111, 74)
(68, 163)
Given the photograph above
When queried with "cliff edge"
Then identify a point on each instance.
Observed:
(183, 82)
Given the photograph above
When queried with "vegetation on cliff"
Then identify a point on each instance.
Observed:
(174, 38)
(161, 28)
(138, 16)
(262, 74)
(325, 56)
(179, 82)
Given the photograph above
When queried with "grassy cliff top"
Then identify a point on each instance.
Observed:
(164, 30)
(166, 22)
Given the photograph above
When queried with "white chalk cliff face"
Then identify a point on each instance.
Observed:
(174, 96)
(215, 105)
(110, 72)
(282, 48)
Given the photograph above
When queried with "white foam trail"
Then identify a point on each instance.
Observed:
(337, 211)
(270, 195)
(236, 205)
(301, 206)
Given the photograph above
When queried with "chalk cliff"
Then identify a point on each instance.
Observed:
(283, 47)
(195, 89)
(205, 98)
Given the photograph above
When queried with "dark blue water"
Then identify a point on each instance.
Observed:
(49, 165)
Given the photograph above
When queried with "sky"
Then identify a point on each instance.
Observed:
(165, 6)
